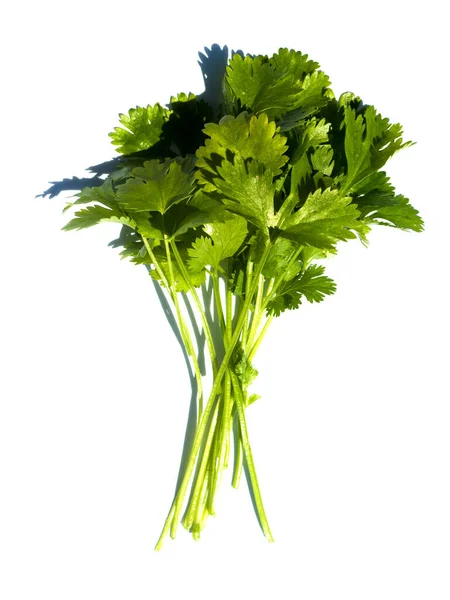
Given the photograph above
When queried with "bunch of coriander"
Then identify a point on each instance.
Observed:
(237, 193)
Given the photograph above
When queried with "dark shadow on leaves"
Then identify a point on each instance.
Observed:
(181, 135)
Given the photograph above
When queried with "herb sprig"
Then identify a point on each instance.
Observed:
(241, 190)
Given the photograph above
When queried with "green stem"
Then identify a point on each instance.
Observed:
(187, 340)
(197, 491)
(216, 465)
(218, 301)
(223, 437)
(238, 459)
(227, 398)
(260, 338)
(201, 512)
(248, 285)
(229, 312)
(206, 327)
(184, 330)
(249, 458)
(177, 504)
(257, 314)
(222, 442)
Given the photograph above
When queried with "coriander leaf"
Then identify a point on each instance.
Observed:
(239, 163)
(149, 225)
(224, 241)
(278, 260)
(92, 215)
(295, 63)
(247, 190)
(325, 218)
(370, 140)
(143, 128)
(376, 200)
(236, 278)
(322, 159)
(248, 137)
(313, 133)
(103, 194)
(311, 284)
(311, 152)
(209, 204)
(284, 83)
(156, 186)
(245, 371)
(248, 76)
(180, 218)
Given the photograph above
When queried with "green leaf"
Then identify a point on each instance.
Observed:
(322, 159)
(156, 186)
(238, 164)
(92, 215)
(247, 190)
(376, 200)
(279, 258)
(325, 218)
(311, 284)
(253, 138)
(224, 241)
(143, 128)
(180, 218)
(313, 133)
(245, 371)
(284, 83)
(252, 398)
(103, 194)
(149, 225)
(104, 208)
(370, 140)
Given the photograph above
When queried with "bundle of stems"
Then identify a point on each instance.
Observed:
(243, 324)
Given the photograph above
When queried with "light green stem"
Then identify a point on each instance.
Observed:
(222, 442)
(248, 285)
(218, 302)
(197, 491)
(173, 516)
(184, 330)
(260, 338)
(238, 460)
(206, 327)
(257, 314)
(249, 458)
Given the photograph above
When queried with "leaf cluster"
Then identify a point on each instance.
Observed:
(276, 160)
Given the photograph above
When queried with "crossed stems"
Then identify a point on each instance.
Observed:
(211, 446)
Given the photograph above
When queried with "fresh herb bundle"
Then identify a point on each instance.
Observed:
(238, 192)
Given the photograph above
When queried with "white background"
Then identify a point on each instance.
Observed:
(351, 438)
